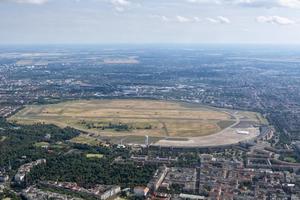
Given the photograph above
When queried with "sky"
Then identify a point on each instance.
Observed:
(149, 21)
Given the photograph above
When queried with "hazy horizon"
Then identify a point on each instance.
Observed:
(149, 22)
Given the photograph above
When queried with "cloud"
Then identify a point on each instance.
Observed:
(289, 3)
(178, 18)
(120, 2)
(161, 17)
(185, 19)
(120, 5)
(182, 19)
(254, 3)
(205, 1)
(223, 20)
(197, 19)
(275, 20)
(219, 20)
(251, 3)
(165, 19)
(37, 2)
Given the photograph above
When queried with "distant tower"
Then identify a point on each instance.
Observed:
(147, 140)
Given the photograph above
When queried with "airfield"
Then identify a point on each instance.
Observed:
(129, 121)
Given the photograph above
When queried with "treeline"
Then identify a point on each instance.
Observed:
(20, 139)
(88, 172)
(115, 127)
(19, 147)
(9, 195)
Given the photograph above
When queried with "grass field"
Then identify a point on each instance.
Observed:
(84, 139)
(130, 120)
(42, 144)
(129, 117)
(290, 159)
(92, 155)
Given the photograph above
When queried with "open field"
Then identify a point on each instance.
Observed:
(84, 139)
(93, 155)
(131, 120)
(42, 144)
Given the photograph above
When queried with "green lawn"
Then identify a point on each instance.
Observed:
(42, 144)
(290, 159)
(93, 155)
(82, 139)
